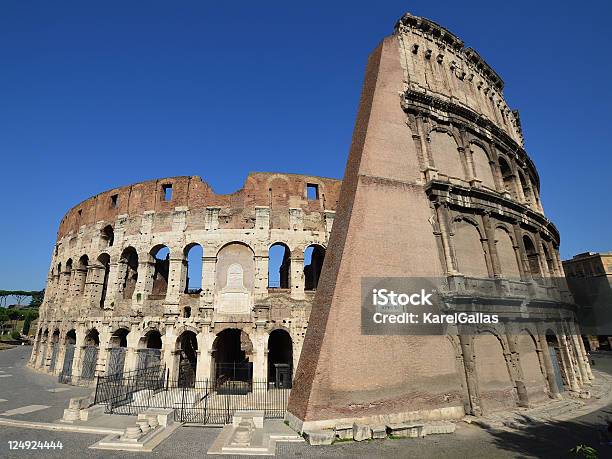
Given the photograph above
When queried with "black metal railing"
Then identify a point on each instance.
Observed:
(203, 402)
(125, 393)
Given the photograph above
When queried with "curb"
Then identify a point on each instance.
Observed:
(59, 427)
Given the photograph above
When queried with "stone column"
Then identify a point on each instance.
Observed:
(205, 343)
(112, 286)
(513, 359)
(259, 340)
(445, 236)
(175, 284)
(570, 371)
(548, 366)
(209, 268)
(260, 288)
(490, 232)
(131, 353)
(170, 352)
(297, 277)
(575, 330)
(61, 353)
(46, 365)
(77, 363)
(470, 374)
(103, 350)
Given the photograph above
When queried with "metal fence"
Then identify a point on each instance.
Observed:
(202, 402)
(130, 392)
(65, 375)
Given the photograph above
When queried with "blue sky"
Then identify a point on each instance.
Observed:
(99, 94)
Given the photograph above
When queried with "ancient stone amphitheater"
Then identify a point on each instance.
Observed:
(435, 130)
(119, 294)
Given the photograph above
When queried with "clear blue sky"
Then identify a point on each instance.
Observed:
(99, 94)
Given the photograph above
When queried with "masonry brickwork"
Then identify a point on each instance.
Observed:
(107, 289)
(438, 185)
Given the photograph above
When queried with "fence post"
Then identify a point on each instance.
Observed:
(97, 386)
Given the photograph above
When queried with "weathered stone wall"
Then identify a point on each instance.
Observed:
(437, 184)
(106, 274)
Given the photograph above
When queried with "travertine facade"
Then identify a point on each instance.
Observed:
(438, 185)
(109, 292)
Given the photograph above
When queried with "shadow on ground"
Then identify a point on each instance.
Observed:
(556, 438)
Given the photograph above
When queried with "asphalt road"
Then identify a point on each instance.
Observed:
(552, 440)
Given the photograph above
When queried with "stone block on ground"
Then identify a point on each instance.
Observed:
(379, 431)
(320, 437)
(438, 427)
(405, 430)
(361, 432)
(344, 431)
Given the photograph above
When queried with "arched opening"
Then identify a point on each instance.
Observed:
(525, 186)
(69, 347)
(506, 255)
(116, 354)
(507, 177)
(533, 377)
(81, 275)
(54, 350)
(313, 263)
(187, 345)
(104, 262)
(161, 269)
(279, 266)
(230, 357)
(70, 338)
(280, 359)
(66, 276)
(445, 153)
(193, 268)
(549, 261)
(469, 251)
(129, 271)
(108, 236)
(554, 350)
(90, 355)
(532, 258)
(149, 350)
(482, 166)
(496, 388)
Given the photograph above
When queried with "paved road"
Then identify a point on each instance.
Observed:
(28, 395)
(27, 388)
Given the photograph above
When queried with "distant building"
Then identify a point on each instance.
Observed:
(589, 277)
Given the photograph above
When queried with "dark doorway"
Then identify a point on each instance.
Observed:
(188, 360)
(230, 356)
(280, 359)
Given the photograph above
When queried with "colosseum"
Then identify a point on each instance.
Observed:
(438, 184)
(119, 294)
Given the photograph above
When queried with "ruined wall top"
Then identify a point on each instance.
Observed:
(436, 62)
(274, 190)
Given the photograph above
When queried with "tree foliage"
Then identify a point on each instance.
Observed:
(20, 295)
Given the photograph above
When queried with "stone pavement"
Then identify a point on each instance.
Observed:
(30, 396)
(551, 439)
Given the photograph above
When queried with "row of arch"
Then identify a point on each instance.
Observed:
(512, 253)
(157, 266)
(521, 367)
(495, 171)
(231, 354)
